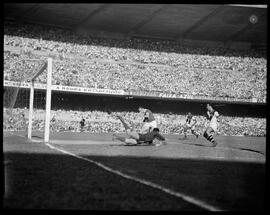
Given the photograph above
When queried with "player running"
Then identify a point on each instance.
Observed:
(135, 138)
(190, 124)
(211, 129)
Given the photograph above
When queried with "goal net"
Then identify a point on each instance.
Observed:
(27, 95)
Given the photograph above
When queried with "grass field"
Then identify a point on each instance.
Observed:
(228, 177)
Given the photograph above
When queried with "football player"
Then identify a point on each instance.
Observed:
(190, 124)
(211, 128)
(135, 138)
(149, 121)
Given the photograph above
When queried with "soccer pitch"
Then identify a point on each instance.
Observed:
(80, 171)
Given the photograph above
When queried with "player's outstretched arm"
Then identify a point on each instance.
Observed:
(161, 138)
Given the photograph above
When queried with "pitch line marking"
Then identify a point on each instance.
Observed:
(189, 199)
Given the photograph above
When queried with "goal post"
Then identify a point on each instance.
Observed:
(27, 95)
(31, 109)
(47, 65)
(48, 101)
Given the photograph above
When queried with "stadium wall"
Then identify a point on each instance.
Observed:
(85, 102)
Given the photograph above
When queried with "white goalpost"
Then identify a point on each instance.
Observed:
(48, 100)
(24, 83)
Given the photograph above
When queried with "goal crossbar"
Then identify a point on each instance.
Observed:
(39, 72)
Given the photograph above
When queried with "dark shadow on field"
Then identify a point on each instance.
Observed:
(250, 150)
(226, 184)
(209, 145)
(248, 144)
(132, 145)
(56, 181)
(45, 179)
(197, 144)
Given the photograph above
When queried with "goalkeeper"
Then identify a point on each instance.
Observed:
(135, 138)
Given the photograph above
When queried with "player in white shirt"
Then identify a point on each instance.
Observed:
(212, 127)
(190, 124)
(149, 121)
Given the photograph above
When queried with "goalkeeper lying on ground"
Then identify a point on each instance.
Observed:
(135, 138)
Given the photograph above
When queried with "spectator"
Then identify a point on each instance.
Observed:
(82, 124)
(101, 122)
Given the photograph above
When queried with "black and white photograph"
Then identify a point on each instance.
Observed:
(134, 107)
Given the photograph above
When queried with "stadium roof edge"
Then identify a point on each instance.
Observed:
(248, 5)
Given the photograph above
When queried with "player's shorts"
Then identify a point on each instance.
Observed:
(214, 127)
(190, 126)
(133, 135)
(211, 129)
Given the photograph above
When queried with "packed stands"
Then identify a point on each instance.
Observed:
(144, 64)
(102, 122)
(137, 64)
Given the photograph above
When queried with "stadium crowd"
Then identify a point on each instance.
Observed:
(165, 52)
(143, 78)
(102, 122)
(144, 64)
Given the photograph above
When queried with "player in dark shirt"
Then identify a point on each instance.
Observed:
(135, 138)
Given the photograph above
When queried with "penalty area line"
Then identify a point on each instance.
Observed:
(185, 197)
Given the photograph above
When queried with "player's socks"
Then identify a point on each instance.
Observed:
(211, 139)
